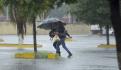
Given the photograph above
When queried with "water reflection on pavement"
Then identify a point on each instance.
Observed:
(86, 55)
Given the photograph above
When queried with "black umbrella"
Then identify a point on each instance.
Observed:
(50, 23)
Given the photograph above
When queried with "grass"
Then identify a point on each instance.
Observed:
(40, 54)
(106, 46)
(19, 46)
(69, 40)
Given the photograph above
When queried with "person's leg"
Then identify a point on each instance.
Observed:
(56, 46)
(64, 46)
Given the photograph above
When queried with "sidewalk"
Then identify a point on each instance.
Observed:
(86, 55)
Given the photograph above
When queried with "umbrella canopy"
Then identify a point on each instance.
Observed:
(50, 23)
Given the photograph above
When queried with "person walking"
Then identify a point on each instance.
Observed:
(62, 33)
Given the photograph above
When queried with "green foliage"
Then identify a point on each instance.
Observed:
(37, 7)
(22, 10)
(92, 12)
(18, 14)
(60, 2)
(0, 3)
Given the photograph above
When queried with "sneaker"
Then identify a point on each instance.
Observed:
(58, 53)
(69, 55)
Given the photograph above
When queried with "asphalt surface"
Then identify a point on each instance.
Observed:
(86, 54)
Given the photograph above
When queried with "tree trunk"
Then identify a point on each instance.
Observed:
(34, 34)
(107, 35)
(20, 40)
(101, 30)
(115, 18)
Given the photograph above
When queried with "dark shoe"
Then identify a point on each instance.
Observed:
(69, 55)
(58, 53)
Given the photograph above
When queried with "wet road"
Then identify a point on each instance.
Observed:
(86, 55)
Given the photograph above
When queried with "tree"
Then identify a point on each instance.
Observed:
(18, 15)
(23, 10)
(113, 12)
(93, 12)
(36, 7)
(116, 22)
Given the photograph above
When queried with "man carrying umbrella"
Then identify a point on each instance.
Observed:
(57, 29)
(62, 33)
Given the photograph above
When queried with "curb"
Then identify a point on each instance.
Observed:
(106, 46)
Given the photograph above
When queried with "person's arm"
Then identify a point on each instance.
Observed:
(68, 34)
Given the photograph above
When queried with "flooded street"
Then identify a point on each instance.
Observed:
(86, 54)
